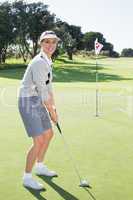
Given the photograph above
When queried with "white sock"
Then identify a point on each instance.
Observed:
(27, 175)
(39, 164)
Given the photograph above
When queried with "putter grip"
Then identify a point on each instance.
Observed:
(58, 126)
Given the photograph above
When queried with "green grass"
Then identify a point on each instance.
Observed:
(101, 147)
(12, 63)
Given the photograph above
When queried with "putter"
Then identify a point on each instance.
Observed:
(83, 182)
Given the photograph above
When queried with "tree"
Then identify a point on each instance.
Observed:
(77, 35)
(108, 47)
(30, 20)
(38, 21)
(22, 23)
(6, 29)
(19, 20)
(89, 40)
(70, 36)
(127, 52)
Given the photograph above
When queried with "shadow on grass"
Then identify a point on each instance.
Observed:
(68, 72)
(36, 194)
(12, 66)
(90, 193)
(12, 73)
(63, 193)
(83, 74)
(63, 60)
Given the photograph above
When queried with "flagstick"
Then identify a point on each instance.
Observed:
(97, 91)
(98, 46)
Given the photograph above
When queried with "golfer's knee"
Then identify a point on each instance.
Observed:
(48, 134)
(38, 142)
(43, 138)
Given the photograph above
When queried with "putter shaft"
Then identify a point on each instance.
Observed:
(68, 151)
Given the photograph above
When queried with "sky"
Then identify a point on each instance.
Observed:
(113, 18)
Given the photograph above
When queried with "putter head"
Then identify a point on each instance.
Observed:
(84, 183)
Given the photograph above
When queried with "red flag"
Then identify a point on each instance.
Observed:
(98, 47)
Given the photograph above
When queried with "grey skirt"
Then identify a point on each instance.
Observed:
(34, 115)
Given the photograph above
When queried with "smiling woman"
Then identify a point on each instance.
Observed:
(37, 108)
(48, 42)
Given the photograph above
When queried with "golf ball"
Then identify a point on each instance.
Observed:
(84, 182)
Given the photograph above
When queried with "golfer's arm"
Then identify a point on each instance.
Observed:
(51, 95)
(47, 97)
(50, 91)
(48, 105)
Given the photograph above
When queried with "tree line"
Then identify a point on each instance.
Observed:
(22, 23)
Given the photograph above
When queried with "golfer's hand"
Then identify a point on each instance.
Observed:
(54, 116)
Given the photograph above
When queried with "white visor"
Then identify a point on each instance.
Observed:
(48, 34)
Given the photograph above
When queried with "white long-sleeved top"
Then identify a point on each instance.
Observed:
(37, 79)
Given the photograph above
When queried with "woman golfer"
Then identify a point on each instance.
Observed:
(37, 108)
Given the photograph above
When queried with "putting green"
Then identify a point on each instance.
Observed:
(101, 146)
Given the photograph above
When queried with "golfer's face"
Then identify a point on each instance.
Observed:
(49, 46)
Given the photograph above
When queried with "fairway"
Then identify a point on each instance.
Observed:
(101, 146)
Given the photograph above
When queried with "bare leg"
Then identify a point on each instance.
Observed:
(47, 136)
(32, 153)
